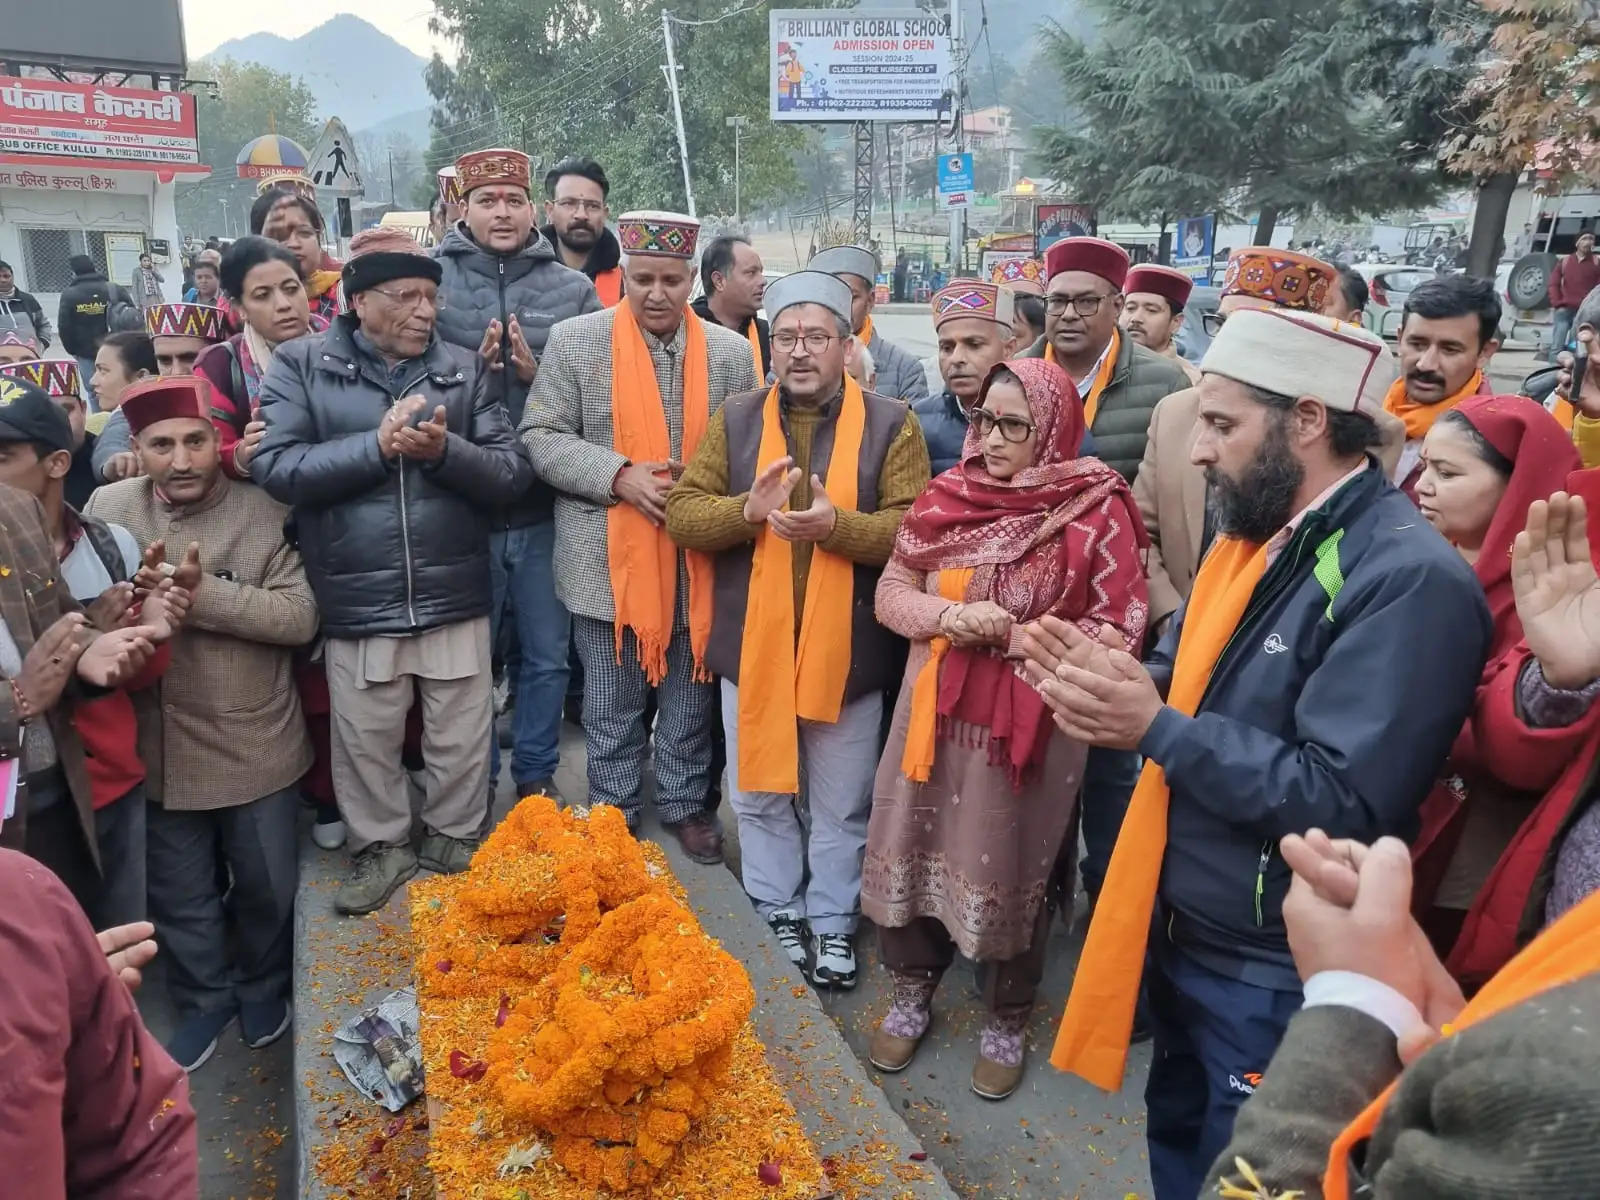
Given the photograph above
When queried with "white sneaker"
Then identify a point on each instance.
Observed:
(791, 934)
(329, 836)
(835, 964)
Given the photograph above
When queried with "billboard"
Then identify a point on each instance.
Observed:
(858, 65)
(127, 35)
(1192, 247)
(48, 122)
(1053, 223)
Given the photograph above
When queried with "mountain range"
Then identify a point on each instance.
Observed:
(357, 72)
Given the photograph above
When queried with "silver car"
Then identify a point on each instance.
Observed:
(1388, 285)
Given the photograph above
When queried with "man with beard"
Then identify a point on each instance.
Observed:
(734, 286)
(1265, 711)
(575, 191)
(973, 322)
(1152, 311)
(1449, 330)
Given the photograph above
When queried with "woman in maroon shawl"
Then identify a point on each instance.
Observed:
(977, 788)
(1521, 772)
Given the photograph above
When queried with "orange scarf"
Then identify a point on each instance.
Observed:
(865, 332)
(1567, 950)
(322, 282)
(1562, 410)
(1093, 1038)
(1419, 418)
(642, 558)
(1091, 402)
(916, 762)
(753, 334)
(785, 683)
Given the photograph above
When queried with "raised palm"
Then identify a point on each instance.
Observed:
(1558, 592)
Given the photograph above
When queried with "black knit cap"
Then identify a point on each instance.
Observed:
(380, 255)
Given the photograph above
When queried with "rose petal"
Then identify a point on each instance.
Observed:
(394, 1127)
(503, 1012)
(770, 1174)
(470, 1069)
(377, 1143)
(919, 1156)
(443, 966)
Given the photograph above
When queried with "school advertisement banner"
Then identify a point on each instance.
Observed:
(859, 65)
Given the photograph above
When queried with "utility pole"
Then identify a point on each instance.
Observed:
(737, 124)
(391, 177)
(958, 90)
(677, 107)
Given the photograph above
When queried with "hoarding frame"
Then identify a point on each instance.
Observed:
(789, 30)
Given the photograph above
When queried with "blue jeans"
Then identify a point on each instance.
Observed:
(522, 570)
(1561, 330)
(86, 378)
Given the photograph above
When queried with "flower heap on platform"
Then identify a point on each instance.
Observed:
(583, 1036)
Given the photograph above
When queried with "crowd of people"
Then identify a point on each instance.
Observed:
(1300, 641)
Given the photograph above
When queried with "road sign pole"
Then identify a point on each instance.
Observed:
(958, 216)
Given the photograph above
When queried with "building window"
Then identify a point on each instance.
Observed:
(46, 255)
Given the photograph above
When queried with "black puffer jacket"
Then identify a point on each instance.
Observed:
(480, 286)
(82, 319)
(390, 548)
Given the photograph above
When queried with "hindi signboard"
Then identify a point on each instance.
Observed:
(1192, 247)
(859, 65)
(47, 122)
(956, 183)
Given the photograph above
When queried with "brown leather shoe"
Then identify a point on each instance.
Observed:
(700, 838)
(996, 1081)
(891, 1053)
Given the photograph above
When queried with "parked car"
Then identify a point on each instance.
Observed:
(1388, 285)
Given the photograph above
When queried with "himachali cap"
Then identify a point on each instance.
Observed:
(974, 298)
(846, 260)
(664, 234)
(480, 168)
(1172, 286)
(1303, 354)
(166, 398)
(289, 181)
(54, 376)
(450, 186)
(185, 320)
(809, 287)
(12, 338)
(1279, 277)
(1025, 276)
(28, 414)
(1094, 255)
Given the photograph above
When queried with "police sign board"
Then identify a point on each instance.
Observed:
(858, 65)
(956, 183)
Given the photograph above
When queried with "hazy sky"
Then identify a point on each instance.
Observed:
(208, 23)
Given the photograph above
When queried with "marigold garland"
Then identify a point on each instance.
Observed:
(612, 1031)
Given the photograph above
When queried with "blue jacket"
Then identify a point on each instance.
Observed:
(1333, 706)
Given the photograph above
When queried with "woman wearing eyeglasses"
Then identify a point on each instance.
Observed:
(977, 789)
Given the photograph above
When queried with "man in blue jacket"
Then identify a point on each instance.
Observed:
(974, 324)
(503, 289)
(1325, 695)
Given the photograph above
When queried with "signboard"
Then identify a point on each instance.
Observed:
(1192, 247)
(93, 35)
(1056, 222)
(991, 258)
(956, 183)
(858, 65)
(48, 122)
(333, 161)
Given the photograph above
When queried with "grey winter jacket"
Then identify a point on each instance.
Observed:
(900, 375)
(390, 547)
(1139, 382)
(480, 286)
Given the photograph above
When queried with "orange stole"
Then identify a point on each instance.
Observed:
(916, 761)
(643, 560)
(1419, 418)
(1091, 402)
(790, 682)
(753, 335)
(1093, 1038)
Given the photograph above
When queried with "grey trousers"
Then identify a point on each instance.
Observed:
(368, 732)
(838, 762)
(257, 843)
(614, 699)
(119, 829)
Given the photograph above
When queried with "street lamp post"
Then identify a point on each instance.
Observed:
(223, 201)
(738, 125)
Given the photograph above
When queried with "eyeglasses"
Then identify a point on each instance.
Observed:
(1012, 429)
(572, 204)
(411, 298)
(816, 343)
(1212, 322)
(1084, 306)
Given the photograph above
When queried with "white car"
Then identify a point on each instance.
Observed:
(1388, 285)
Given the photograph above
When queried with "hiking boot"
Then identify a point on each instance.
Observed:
(835, 962)
(700, 838)
(446, 855)
(374, 875)
(195, 1041)
(263, 1022)
(1002, 1051)
(790, 931)
(542, 787)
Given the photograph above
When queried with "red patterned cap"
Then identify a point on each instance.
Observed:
(1094, 255)
(1172, 286)
(1024, 276)
(1279, 277)
(480, 168)
(450, 186)
(973, 298)
(57, 377)
(665, 234)
(165, 398)
(185, 320)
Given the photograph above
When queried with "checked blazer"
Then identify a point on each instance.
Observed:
(567, 431)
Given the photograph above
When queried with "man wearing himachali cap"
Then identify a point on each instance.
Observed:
(1152, 311)
(972, 321)
(797, 494)
(1261, 713)
(899, 374)
(1025, 278)
(621, 401)
(178, 332)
